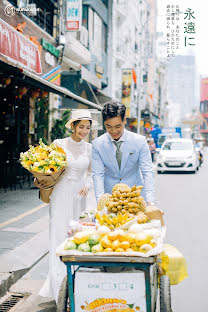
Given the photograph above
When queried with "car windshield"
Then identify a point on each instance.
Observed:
(178, 146)
(163, 137)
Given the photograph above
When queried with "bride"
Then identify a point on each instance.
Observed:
(68, 198)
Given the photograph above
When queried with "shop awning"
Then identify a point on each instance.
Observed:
(28, 77)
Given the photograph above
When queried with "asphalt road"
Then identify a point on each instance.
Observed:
(184, 199)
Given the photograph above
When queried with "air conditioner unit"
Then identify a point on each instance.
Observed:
(82, 36)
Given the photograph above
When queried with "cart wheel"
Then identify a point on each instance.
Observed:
(165, 297)
(63, 297)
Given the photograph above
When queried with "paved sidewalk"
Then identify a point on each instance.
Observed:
(24, 225)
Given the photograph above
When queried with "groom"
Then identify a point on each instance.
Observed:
(121, 156)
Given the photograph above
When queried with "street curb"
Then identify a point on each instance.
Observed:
(9, 279)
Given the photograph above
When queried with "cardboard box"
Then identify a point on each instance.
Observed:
(155, 214)
(110, 292)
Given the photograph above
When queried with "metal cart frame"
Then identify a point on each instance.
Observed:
(147, 265)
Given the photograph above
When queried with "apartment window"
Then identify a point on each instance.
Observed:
(95, 33)
(43, 18)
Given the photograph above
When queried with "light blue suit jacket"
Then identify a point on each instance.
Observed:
(136, 165)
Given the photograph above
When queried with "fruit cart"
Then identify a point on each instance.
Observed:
(147, 265)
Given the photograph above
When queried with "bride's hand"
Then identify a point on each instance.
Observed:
(41, 184)
(84, 191)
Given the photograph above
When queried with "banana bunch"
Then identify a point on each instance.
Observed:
(112, 220)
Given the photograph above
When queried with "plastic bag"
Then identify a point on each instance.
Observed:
(77, 226)
(173, 264)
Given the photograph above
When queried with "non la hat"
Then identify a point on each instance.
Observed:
(80, 114)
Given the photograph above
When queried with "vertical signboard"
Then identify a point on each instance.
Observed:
(73, 15)
(126, 90)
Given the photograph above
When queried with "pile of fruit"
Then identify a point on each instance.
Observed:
(104, 240)
(123, 199)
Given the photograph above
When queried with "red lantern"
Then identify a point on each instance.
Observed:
(22, 90)
(35, 94)
(44, 94)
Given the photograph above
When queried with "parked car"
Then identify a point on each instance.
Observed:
(177, 155)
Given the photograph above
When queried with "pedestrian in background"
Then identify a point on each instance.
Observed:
(152, 147)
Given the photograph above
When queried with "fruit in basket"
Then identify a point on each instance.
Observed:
(133, 188)
(119, 250)
(142, 203)
(115, 244)
(130, 237)
(105, 242)
(142, 238)
(129, 250)
(153, 243)
(121, 187)
(112, 236)
(134, 247)
(141, 217)
(103, 230)
(108, 250)
(70, 245)
(97, 248)
(112, 220)
(81, 237)
(121, 235)
(104, 199)
(125, 245)
(93, 239)
(85, 247)
(145, 248)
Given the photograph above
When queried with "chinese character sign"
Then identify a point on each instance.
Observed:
(189, 27)
(73, 15)
(173, 29)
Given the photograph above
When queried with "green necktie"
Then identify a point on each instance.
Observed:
(118, 152)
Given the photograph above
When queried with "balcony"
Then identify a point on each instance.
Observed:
(121, 10)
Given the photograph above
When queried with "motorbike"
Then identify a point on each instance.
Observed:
(200, 155)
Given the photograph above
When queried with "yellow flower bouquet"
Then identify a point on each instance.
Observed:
(45, 162)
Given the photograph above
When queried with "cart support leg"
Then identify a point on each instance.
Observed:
(148, 289)
(71, 287)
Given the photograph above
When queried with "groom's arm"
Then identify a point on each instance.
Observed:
(98, 171)
(145, 165)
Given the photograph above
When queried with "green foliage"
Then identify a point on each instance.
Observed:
(59, 131)
(41, 117)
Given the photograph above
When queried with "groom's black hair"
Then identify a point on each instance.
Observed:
(113, 109)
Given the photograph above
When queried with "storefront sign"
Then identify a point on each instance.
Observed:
(18, 48)
(49, 47)
(50, 59)
(73, 15)
(126, 90)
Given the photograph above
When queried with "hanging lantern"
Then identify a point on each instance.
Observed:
(35, 94)
(22, 91)
(8, 80)
(44, 94)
